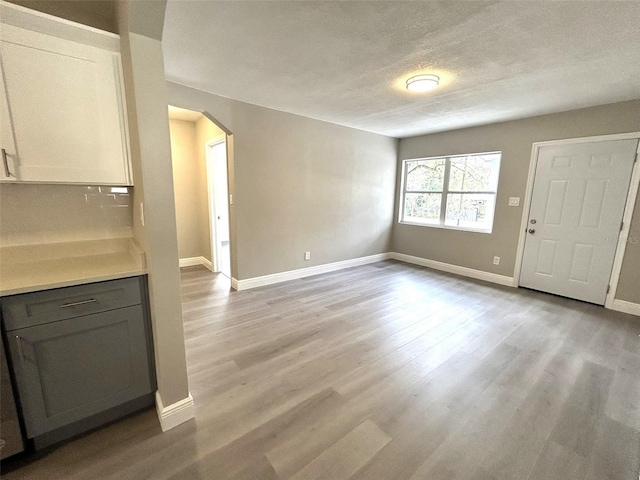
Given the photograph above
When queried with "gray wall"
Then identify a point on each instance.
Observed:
(514, 139)
(300, 184)
(629, 285)
(145, 88)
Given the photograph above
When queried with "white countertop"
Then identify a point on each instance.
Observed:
(30, 268)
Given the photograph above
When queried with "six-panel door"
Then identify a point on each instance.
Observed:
(574, 221)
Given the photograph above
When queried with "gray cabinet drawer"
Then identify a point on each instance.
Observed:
(69, 370)
(48, 306)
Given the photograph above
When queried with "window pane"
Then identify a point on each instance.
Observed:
(476, 173)
(422, 208)
(470, 210)
(425, 175)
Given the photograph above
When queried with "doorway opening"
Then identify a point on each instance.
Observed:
(199, 150)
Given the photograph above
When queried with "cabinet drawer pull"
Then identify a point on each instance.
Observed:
(75, 304)
(20, 340)
(20, 351)
(5, 162)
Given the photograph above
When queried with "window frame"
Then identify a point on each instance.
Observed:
(445, 192)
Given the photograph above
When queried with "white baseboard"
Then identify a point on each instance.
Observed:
(174, 414)
(193, 261)
(332, 267)
(626, 307)
(207, 263)
(190, 261)
(305, 272)
(464, 271)
(619, 305)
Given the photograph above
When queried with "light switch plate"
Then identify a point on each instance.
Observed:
(514, 201)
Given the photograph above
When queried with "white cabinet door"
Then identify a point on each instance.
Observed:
(577, 205)
(66, 111)
(7, 140)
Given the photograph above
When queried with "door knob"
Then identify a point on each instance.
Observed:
(533, 221)
(532, 231)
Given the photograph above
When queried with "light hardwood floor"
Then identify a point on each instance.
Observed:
(385, 371)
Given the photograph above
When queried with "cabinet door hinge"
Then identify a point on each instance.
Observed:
(621, 225)
(608, 288)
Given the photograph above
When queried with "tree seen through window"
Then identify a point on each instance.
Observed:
(456, 192)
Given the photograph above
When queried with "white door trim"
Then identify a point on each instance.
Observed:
(213, 224)
(623, 237)
(626, 218)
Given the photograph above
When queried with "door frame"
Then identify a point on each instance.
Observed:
(213, 207)
(632, 194)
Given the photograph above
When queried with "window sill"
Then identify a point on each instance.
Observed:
(446, 227)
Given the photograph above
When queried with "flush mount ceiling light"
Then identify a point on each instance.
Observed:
(423, 83)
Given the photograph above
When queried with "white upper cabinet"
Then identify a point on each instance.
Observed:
(63, 114)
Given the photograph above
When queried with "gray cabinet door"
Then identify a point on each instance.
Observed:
(72, 369)
(11, 441)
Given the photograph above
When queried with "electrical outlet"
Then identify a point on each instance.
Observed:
(307, 255)
(142, 214)
(496, 260)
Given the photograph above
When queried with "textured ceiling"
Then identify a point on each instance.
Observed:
(346, 62)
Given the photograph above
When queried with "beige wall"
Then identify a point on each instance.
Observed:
(31, 214)
(96, 13)
(205, 131)
(188, 152)
(514, 139)
(185, 180)
(300, 184)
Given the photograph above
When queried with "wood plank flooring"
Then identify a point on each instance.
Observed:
(387, 372)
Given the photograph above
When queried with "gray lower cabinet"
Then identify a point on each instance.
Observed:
(10, 434)
(78, 351)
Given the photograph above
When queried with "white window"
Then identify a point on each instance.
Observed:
(451, 192)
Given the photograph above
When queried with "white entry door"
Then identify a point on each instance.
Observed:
(578, 201)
